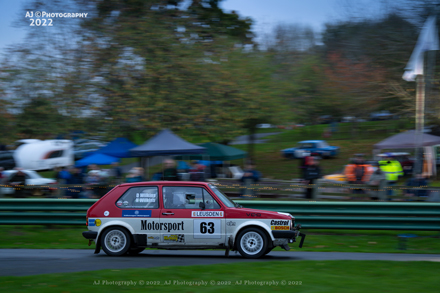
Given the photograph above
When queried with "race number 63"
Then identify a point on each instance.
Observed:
(207, 228)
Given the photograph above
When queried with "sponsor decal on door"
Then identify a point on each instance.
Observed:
(202, 214)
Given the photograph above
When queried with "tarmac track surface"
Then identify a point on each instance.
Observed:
(24, 262)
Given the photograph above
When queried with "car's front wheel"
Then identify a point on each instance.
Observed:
(268, 249)
(115, 241)
(252, 243)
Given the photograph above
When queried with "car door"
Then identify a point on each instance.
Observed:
(140, 210)
(190, 216)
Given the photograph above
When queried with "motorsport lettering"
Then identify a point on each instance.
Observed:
(152, 226)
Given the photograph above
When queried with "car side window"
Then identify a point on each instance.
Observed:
(187, 198)
(209, 201)
(307, 145)
(139, 198)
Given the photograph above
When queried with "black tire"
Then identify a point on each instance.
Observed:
(269, 249)
(115, 241)
(135, 250)
(252, 243)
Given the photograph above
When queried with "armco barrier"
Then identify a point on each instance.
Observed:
(44, 211)
(311, 215)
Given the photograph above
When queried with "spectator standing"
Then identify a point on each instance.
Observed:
(197, 171)
(2, 181)
(250, 177)
(392, 169)
(358, 172)
(377, 184)
(116, 173)
(312, 173)
(57, 171)
(135, 175)
(2, 177)
(93, 181)
(170, 171)
(418, 181)
(141, 173)
(305, 159)
(62, 175)
(77, 180)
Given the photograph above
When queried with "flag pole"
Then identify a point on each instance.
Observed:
(420, 123)
(427, 41)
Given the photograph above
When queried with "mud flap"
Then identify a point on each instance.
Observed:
(303, 236)
(97, 247)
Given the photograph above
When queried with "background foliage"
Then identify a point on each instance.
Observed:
(132, 68)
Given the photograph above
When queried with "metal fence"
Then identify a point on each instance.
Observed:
(310, 214)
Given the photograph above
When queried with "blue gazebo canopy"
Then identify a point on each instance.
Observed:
(119, 147)
(96, 158)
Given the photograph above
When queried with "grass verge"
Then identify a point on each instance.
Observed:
(295, 276)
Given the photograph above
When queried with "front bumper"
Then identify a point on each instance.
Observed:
(291, 235)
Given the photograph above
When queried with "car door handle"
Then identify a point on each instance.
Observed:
(166, 214)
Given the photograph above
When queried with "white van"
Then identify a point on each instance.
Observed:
(44, 154)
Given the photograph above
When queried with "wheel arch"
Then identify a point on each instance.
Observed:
(119, 224)
(253, 224)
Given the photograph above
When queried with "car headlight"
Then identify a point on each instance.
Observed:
(292, 223)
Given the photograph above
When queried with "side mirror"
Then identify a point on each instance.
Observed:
(202, 205)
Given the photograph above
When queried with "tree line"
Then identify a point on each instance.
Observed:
(134, 67)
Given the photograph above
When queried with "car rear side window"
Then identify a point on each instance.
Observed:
(139, 198)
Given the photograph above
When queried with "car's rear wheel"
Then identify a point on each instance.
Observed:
(115, 241)
(252, 243)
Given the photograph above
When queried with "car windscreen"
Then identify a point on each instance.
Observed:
(223, 197)
(323, 144)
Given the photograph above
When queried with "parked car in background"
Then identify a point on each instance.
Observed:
(325, 119)
(312, 147)
(32, 178)
(7, 160)
(347, 119)
(265, 125)
(87, 148)
(382, 115)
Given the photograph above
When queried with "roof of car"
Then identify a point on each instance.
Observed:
(311, 141)
(166, 183)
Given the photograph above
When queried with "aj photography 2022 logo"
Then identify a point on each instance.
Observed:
(43, 18)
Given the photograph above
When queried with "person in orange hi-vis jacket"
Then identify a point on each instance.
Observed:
(358, 172)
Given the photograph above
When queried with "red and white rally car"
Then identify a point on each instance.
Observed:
(184, 215)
